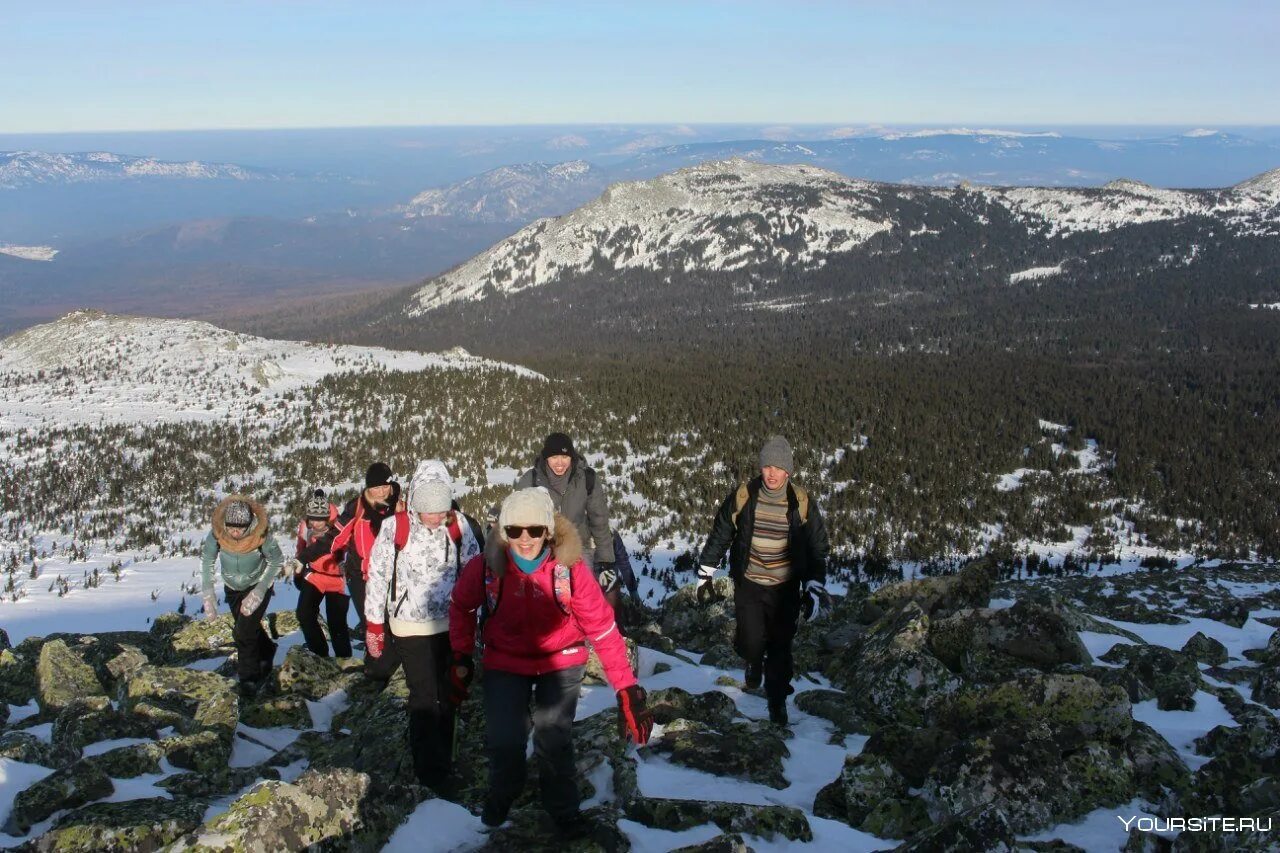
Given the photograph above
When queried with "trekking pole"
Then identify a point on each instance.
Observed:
(456, 719)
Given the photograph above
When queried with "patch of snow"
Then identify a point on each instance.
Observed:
(1267, 306)
(1181, 728)
(108, 745)
(18, 713)
(324, 710)
(448, 825)
(1035, 274)
(15, 777)
(29, 253)
(1098, 830)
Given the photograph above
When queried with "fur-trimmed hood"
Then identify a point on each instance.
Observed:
(252, 540)
(566, 546)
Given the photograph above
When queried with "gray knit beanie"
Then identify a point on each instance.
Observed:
(433, 496)
(777, 452)
(238, 514)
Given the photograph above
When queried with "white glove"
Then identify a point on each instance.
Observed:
(705, 574)
(250, 603)
(816, 601)
(291, 567)
(210, 607)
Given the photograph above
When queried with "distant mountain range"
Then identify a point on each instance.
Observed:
(20, 169)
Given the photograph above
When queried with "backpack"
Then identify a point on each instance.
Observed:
(561, 588)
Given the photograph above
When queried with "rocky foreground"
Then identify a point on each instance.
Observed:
(984, 725)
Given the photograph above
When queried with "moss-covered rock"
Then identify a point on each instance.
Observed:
(196, 639)
(838, 708)
(1172, 677)
(672, 703)
(323, 808)
(1240, 756)
(62, 677)
(893, 675)
(63, 789)
(760, 821)
(25, 747)
(870, 794)
(95, 719)
(1205, 649)
(696, 627)
(17, 678)
(968, 589)
(208, 699)
(726, 843)
(594, 673)
(215, 782)
(1158, 769)
(1266, 686)
(985, 828)
(750, 752)
(1036, 635)
(1072, 709)
(532, 830)
(135, 826)
(308, 675)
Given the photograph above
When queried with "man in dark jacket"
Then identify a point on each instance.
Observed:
(778, 550)
(580, 498)
(358, 525)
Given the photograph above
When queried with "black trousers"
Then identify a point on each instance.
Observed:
(766, 625)
(355, 586)
(254, 649)
(508, 720)
(335, 608)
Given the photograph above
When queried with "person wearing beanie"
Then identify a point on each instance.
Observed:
(358, 525)
(413, 566)
(539, 606)
(778, 548)
(579, 497)
(317, 572)
(241, 545)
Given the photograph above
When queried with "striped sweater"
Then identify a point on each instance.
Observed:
(769, 561)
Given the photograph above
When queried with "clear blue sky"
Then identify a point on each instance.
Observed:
(68, 66)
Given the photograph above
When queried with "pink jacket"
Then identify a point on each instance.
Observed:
(528, 633)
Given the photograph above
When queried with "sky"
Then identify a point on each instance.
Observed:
(92, 66)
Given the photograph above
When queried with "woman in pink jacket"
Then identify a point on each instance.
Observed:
(539, 606)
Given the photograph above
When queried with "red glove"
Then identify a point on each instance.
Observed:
(460, 674)
(375, 639)
(635, 720)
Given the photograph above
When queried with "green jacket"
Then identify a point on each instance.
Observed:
(240, 571)
(254, 560)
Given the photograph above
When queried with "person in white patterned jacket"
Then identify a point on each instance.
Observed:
(413, 566)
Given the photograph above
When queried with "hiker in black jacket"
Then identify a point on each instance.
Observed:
(778, 550)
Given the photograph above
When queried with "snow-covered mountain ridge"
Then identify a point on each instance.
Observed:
(721, 216)
(737, 213)
(515, 193)
(28, 168)
(89, 367)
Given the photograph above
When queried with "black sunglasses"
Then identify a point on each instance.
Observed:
(536, 531)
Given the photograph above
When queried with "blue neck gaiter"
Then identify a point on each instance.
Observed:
(528, 566)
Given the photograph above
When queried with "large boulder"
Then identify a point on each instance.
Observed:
(698, 627)
(713, 708)
(870, 794)
(134, 826)
(941, 596)
(208, 699)
(1170, 677)
(594, 673)
(750, 752)
(893, 674)
(1240, 755)
(837, 708)
(93, 719)
(324, 809)
(304, 673)
(760, 821)
(68, 788)
(984, 828)
(62, 677)
(27, 748)
(1205, 649)
(993, 645)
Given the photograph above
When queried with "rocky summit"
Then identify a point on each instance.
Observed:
(946, 713)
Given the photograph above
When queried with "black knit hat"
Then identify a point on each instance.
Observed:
(558, 444)
(379, 474)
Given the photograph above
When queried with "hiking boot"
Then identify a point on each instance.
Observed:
(495, 813)
(778, 713)
(248, 687)
(754, 676)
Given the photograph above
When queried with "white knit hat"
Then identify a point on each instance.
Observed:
(528, 507)
(434, 496)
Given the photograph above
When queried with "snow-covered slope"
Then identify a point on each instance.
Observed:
(716, 216)
(1252, 206)
(27, 168)
(92, 367)
(517, 193)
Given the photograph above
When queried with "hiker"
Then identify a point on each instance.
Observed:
(318, 574)
(778, 550)
(249, 559)
(539, 605)
(577, 496)
(358, 526)
(413, 566)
